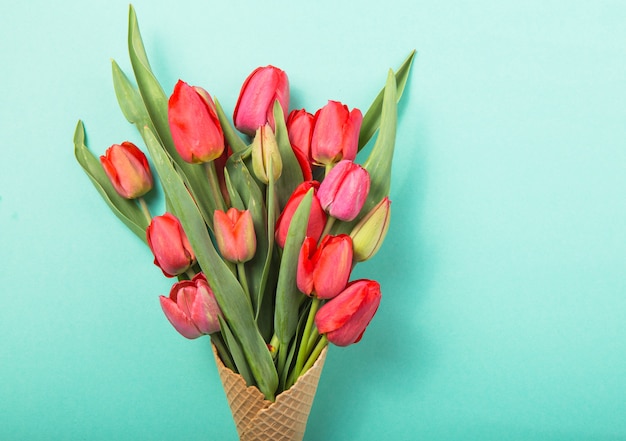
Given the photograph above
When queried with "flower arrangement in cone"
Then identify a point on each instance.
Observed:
(265, 219)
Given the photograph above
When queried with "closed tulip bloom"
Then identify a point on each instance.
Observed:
(191, 307)
(169, 244)
(335, 133)
(128, 170)
(195, 127)
(344, 190)
(369, 234)
(344, 318)
(264, 150)
(323, 271)
(317, 216)
(255, 105)
(300, 130)
(234, 232)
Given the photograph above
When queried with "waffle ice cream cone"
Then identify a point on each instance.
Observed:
(258, 419)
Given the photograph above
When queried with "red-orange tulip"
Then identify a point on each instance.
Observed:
(344, 318)
(128, 170)
(324, 271)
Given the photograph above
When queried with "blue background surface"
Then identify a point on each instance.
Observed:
(503, 274)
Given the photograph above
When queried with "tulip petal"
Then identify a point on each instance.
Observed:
(178, 319)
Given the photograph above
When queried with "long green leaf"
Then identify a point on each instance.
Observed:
(233, 301)
(155, 102)
(288, 296)
(235, 351)
(371, 120)
(126, 210)
(230, 135)
(291, 176)
(129, 99)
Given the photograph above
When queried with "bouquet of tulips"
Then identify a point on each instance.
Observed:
(265, 217)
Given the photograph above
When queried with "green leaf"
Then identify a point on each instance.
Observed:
(231, 136)
(288, 297)
(291, 176)
(155, 102)
(233, 301)
(236, 352)
(127, 210)
(371, 120)
(129, 98)
(378, 164)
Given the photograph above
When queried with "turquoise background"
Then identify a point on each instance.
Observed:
(503, 275)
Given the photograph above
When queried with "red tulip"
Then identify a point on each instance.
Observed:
(317, 216)
(335, 133)
(128, 170)
(234, 232)
(194, 124)
(191, 307)
(344, 190)
(300, 130)
(169, 244)
(255, 104)
(344, 318)
(324, 271)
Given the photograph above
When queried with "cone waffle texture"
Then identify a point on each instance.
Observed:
(258, 419)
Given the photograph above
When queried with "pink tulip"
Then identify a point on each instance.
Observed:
(169, 244)
(191, 307)
(344, 318)
(324, 271)
(255, 105)
(335, 133)
(194, 124)
(128, 170)
(344, 190)
(317, 216)
(234, 232)
(300, 130)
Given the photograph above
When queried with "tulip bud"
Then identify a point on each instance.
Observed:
(264, 149)
(344, 318)
(317, 216)
(195, 127)
(255, 105)
(192, 308)
(324, 271)
(300, 130)
(344, 190)
(234, 232)
(169, 244)
(368, 235)
(128, 170)
(335, 133)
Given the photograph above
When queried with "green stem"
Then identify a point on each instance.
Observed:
(241, 272)
(329, 224)
(312, 339)
(315, 354)
(144, 208)
(303, 352)
(214, 185)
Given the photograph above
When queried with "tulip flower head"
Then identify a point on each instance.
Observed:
(369, 234)
(255, 105)
(344, 318)
(344, 190)
(264, 151)
(300, 130)
(335, 133)
(234, 232)
(191, 307)
(128, 170)
(317, 216)
(169, 244)
(324, 271)
(195, 127)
